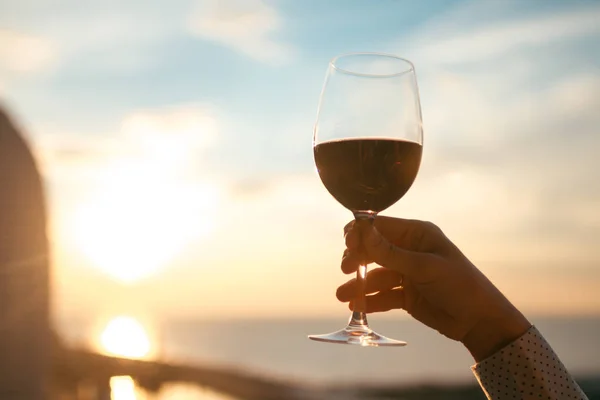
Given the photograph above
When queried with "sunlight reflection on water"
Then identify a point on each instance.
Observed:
(124, 388)
(189, 392)
(127, 337)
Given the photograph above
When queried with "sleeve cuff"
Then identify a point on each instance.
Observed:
(526, 368)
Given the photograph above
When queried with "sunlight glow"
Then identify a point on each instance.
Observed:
(125, 337)
(140, 219)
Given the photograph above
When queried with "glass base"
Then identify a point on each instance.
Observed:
(360, 335)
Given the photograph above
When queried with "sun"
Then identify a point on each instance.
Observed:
(138, 220)
(125, 337)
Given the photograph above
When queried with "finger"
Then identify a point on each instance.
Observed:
(379, 279)
(384, 301)
(353, 237)
(354, 247)
(351, 261)
(386, 254)
(349, 226)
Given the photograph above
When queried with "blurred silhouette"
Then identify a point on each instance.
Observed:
(24, 271)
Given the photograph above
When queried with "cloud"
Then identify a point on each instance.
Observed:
(511, 133)
(25, 53)
(248, 26)
(84, 36)
(170, 138)
(118, 39)
(174, 132)
(443, 43)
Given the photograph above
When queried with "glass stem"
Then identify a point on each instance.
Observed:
(358, 319)
(359, 316)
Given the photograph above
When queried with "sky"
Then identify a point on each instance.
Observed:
(175, 143)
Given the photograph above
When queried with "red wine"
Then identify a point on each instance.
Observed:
(368, 174)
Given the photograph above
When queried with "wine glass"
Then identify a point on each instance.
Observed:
(367, 146)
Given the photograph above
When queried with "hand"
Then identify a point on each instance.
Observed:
(427, 275)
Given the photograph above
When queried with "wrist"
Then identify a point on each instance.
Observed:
(493, 333)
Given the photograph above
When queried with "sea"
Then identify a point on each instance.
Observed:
(279, 349)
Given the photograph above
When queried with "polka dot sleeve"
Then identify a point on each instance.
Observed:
(528, 368)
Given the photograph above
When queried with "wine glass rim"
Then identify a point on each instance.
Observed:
(332, 63)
